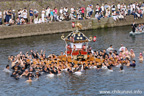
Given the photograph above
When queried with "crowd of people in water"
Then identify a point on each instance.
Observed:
(28, 16)
(34, 64)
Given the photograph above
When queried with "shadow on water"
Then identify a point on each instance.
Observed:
(133, 38)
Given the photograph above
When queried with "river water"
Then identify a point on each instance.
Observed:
(90, 83)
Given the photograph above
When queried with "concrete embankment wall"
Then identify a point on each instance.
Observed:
(59, 27)
(39, 4)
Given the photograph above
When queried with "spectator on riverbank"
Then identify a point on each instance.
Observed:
(31, 15)
(116, 11)
(24, 15)
(90, 10)
(18, 21)
(4, 16)
(114, 15)
(35, 12)
(8, 16)
(0, 17)
(19, 13)
(22, 21)
(55, 10)
(72, 10)
(83, 12)
(36, 20)
(48, 12)
(43, 15)
(13, 15)
(11, 22)
(51, 15)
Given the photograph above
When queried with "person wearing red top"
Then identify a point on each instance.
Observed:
(82, 11)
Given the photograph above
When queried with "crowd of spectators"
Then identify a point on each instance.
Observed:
(116, 11)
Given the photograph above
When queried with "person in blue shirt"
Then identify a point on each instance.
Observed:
(133, 63)
(51, 15)
(31, 15)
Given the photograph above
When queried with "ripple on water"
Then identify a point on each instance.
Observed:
(89, 83)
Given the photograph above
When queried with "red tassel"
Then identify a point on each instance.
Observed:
(94, 38)
(73, 24)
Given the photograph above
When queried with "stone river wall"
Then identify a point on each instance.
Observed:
(59, 27)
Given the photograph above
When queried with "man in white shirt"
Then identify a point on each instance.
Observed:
(122, 47)
(102, 8)
(97, 8)
(110, 49)
(134, 6)
(113, 8)
(118, 6)
(24, 15)
(72, 10)
(42, 15)
(88, 10)
(61, 10)
(66, 9)
(48, 12)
